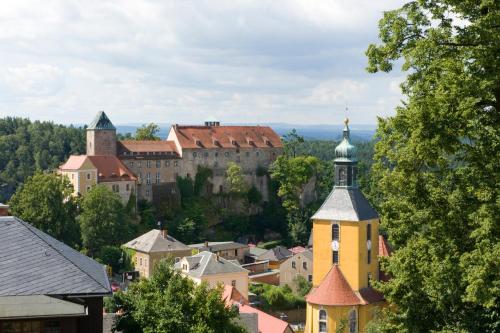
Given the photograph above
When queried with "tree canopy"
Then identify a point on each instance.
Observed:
(436, 166)
(168, 302)
(147, 132)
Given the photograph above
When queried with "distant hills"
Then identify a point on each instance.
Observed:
(310, 132)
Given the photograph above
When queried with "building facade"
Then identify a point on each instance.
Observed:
(345, 256)
(300, 264)
(155, 165)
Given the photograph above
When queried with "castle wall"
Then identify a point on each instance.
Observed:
(101, 142)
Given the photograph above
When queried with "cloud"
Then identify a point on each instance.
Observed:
(183, 61)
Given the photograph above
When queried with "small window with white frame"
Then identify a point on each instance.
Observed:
(322, 321)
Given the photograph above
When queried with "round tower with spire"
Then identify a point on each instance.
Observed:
(101, 136)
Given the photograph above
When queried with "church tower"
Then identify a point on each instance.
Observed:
(345, 252)
(101, 136)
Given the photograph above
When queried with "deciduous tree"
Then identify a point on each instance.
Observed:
(148, 132)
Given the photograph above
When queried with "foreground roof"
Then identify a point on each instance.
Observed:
(38, 306)
(34, 263)
(110, 168)
(101, 122)
(333, 290)
(153, 241)
(226, 136)
(346, 204)
(207, 263)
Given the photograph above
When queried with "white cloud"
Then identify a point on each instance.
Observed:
(183, 61)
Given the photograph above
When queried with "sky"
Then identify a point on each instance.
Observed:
(185, 61)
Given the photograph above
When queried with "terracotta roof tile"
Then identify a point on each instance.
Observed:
(227, 136)
(110, 168)
(142, 146)
(384, 249)
(333, 290)
(230, 295)
(74, 162)
(267, 323)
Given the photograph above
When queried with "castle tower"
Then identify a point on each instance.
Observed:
(345, 252)
(101, 136)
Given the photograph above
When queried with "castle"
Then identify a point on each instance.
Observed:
(150, 168)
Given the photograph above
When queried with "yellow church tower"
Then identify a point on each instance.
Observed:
(345, 253)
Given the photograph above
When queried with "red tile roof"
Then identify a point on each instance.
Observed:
(74, 162)
(297, 249)
(333, 290)
(370, 295)
(226, 136)
(230, 294)
(110, 168)
(266, 322)
(142, 146)
(384, 249)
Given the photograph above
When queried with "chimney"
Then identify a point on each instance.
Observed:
(206, 243)
(164, 233)
(4, 210)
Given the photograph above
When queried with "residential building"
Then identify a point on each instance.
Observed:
(276, 256)
(300, 264)
(254, 253)
(209, 267)
(45, 285)
(157, 164)
(345, 256)
(226, 250)
(148, 249)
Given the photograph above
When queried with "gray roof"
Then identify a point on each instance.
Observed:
(153, 241)
(276, 254)
(207, 263)
(101, 122)
(256, 251)
(346, 204)
(34, 306)
(218, 246)
(34, 263)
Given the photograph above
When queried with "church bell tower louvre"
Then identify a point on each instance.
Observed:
(345, 252)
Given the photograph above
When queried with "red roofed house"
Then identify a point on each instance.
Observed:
(346, 250)
(154, 166)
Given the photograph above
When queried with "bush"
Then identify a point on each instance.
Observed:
(254, 196)
(110, 255)
(110, 304)
(277, 298)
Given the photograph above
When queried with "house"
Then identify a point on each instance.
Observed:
(213, 269)
(253, 253)
(265, 322)
(276, 256)
(226, 250)
(157, 164)
(346, 247)
(300, 264)
(153, 246)
(46, 286)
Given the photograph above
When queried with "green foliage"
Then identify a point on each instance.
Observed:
(254, 196)
(102, 220)
(201, 179)
(168, 302)
(186, 187)
(147, 132)
(235, 179)
(110, 304)
(277, 298)
(303, 286)
(45, 201)
(291, 143)
(110, 255)
(436, 166)
(27, 147)
(261, 171)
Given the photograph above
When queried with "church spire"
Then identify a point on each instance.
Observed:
(345, 160)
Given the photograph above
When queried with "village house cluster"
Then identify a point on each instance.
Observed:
(150, 168)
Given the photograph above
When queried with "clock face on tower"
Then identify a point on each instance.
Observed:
(335, 245)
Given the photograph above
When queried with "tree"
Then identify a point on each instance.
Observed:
(436, 166)
(291, 143)
(111, 256)
(148, 132)
(102, 221)
(168, 302)
(235, 179)
(303, 286)
(45, 201)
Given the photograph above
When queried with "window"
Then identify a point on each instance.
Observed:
(158, 178)
(336, 232)
(177, 259)
(88, 175)
(115, 188)
(226, 154)
(148, 178)
(147, 193)
(310, 278)
(353, 321)
(205, 154)
(140, 261)
(167, 163)
(216, 154)
(233, 283)
(176, 163)
(148, 164)
(139, 164)
(369, 256)
(369, 232)
(184, 267)
(257, 154)
(158, 164)
(140, 176)
(247, 154)
(194, 154)
(336, 257)
(131, 164)
(293, 264)
(236, 252)
(72, 176)
(304, 264)
(322, 321)
(88, 188)
(127, 187)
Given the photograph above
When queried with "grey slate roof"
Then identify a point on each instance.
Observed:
(255, 251)
(34, 263)
(276, 254)
(101, 121)
(153, 241)
(206, 263)
(346, 204)
(218, 246)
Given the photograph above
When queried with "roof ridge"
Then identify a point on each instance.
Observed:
(29, 227)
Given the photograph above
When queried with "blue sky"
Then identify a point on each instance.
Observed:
(183, 61)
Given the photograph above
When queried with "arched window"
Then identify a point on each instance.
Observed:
(353, 322)
(322, 321)
(335, 243)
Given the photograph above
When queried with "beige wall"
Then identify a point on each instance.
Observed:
(101, 142)
(288, 272)
(241, 279)
(82, 179)
(145, 263)
(124, 188)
